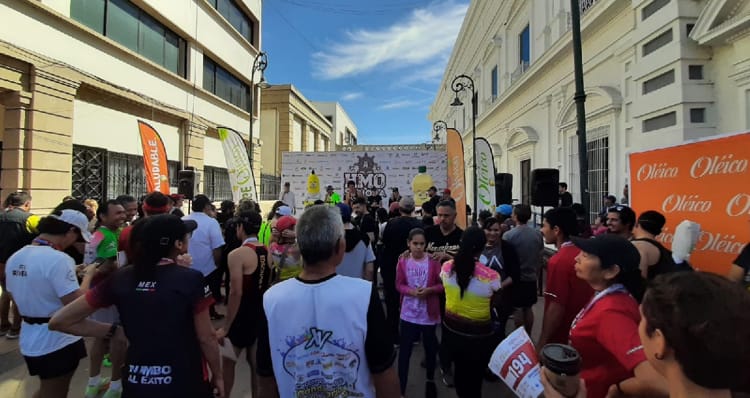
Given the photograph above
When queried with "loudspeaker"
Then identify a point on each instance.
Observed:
(186, 183)
(503, 188)
(544, 187)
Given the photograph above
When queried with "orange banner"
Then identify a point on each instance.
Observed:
(457, 174)
(706, 182)
(154, 159)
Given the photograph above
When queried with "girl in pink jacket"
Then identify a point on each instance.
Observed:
(418, 281)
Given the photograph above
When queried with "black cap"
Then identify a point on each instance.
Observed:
(611, 249)
(164, 229)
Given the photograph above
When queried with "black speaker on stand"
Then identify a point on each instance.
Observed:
(503, 188)
(544, 187)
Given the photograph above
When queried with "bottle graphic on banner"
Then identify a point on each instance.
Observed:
(313, 188)
(420, 185)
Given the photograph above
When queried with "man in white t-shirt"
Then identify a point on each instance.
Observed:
(205, 247)
(337, 341)
(42, 279)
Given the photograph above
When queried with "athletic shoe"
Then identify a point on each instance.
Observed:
(430, 389)
(12, 334)
(112, 394)
(94, 391)
(447, 378)
(106, 362)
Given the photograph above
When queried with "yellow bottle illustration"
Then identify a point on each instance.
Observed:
(420, 184)
(313, 187)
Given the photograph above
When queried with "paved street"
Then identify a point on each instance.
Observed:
(15, 381)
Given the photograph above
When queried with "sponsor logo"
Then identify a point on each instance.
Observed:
(714, 165)
(685, 203)
(656, 171)
(739, 205)
(367, 175)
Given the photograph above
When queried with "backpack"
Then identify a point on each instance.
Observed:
(14, 233)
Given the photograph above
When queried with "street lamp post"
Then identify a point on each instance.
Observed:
(580, 99)
(260, 63)
(437, 127)
(460, 83)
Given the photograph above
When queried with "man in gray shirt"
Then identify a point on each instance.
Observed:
(529, 245)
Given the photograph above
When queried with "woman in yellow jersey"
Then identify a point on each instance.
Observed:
(469, 287)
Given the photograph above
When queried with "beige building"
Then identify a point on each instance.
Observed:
(656, 73)
(77, 75)
(289, 123)
(344, 129)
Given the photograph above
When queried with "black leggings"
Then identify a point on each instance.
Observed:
(409, 334)
(470, 354)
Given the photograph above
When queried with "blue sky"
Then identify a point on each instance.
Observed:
(383, 60)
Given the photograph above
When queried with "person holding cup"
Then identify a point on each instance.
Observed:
(605, 331)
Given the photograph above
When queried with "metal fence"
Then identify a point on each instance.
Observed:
(270, 187)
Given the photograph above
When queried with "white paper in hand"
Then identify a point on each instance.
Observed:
(515, 362)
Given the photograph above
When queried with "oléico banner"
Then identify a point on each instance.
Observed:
(485, 175)
(705, 182)
(457, 174)
(154, 159)
(238, 165)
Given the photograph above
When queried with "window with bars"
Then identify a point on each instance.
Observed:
(598, 176)
(99, 174)
(216, 183)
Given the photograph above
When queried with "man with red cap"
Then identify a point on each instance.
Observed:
(447, 196)
(153, 204)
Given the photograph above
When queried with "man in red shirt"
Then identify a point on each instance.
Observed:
(565, 293)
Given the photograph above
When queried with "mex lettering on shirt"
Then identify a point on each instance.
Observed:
(146, 286)
(150, 374)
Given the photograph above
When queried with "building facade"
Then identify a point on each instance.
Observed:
(656, 73)
(77, 75)
(344, 129)
(289, 123)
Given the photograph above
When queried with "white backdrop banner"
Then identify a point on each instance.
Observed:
(485, 176)
(375, 173)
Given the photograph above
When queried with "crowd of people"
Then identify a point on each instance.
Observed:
(301, 297)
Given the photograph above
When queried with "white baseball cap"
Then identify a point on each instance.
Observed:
(76, 219)
(284, 211)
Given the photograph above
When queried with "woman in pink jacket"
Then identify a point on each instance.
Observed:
(418, 281)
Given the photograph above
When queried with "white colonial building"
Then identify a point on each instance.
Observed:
(656, 73)
(76, 75)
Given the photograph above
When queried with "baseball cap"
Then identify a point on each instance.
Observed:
(447, 191)
(76, 219)
(407, 204)
(163, 229)
(346, 212)
(284, 211)
(393, 207)
(505, 210)
(286, 222)
(329, 188)
(611, 249)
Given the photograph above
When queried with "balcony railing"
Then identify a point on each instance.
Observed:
(522, 68)
(586, 5)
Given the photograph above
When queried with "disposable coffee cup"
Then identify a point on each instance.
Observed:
(562, 365)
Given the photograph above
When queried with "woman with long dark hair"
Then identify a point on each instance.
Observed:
(469, 287)
(605, 331)
(164, 312)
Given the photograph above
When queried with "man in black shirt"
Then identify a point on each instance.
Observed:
(364, 221)
(566, 199)
(443, 241)
(394, 238)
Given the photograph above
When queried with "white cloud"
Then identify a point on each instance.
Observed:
(398, 104)
(351, 96)
(428, 34)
